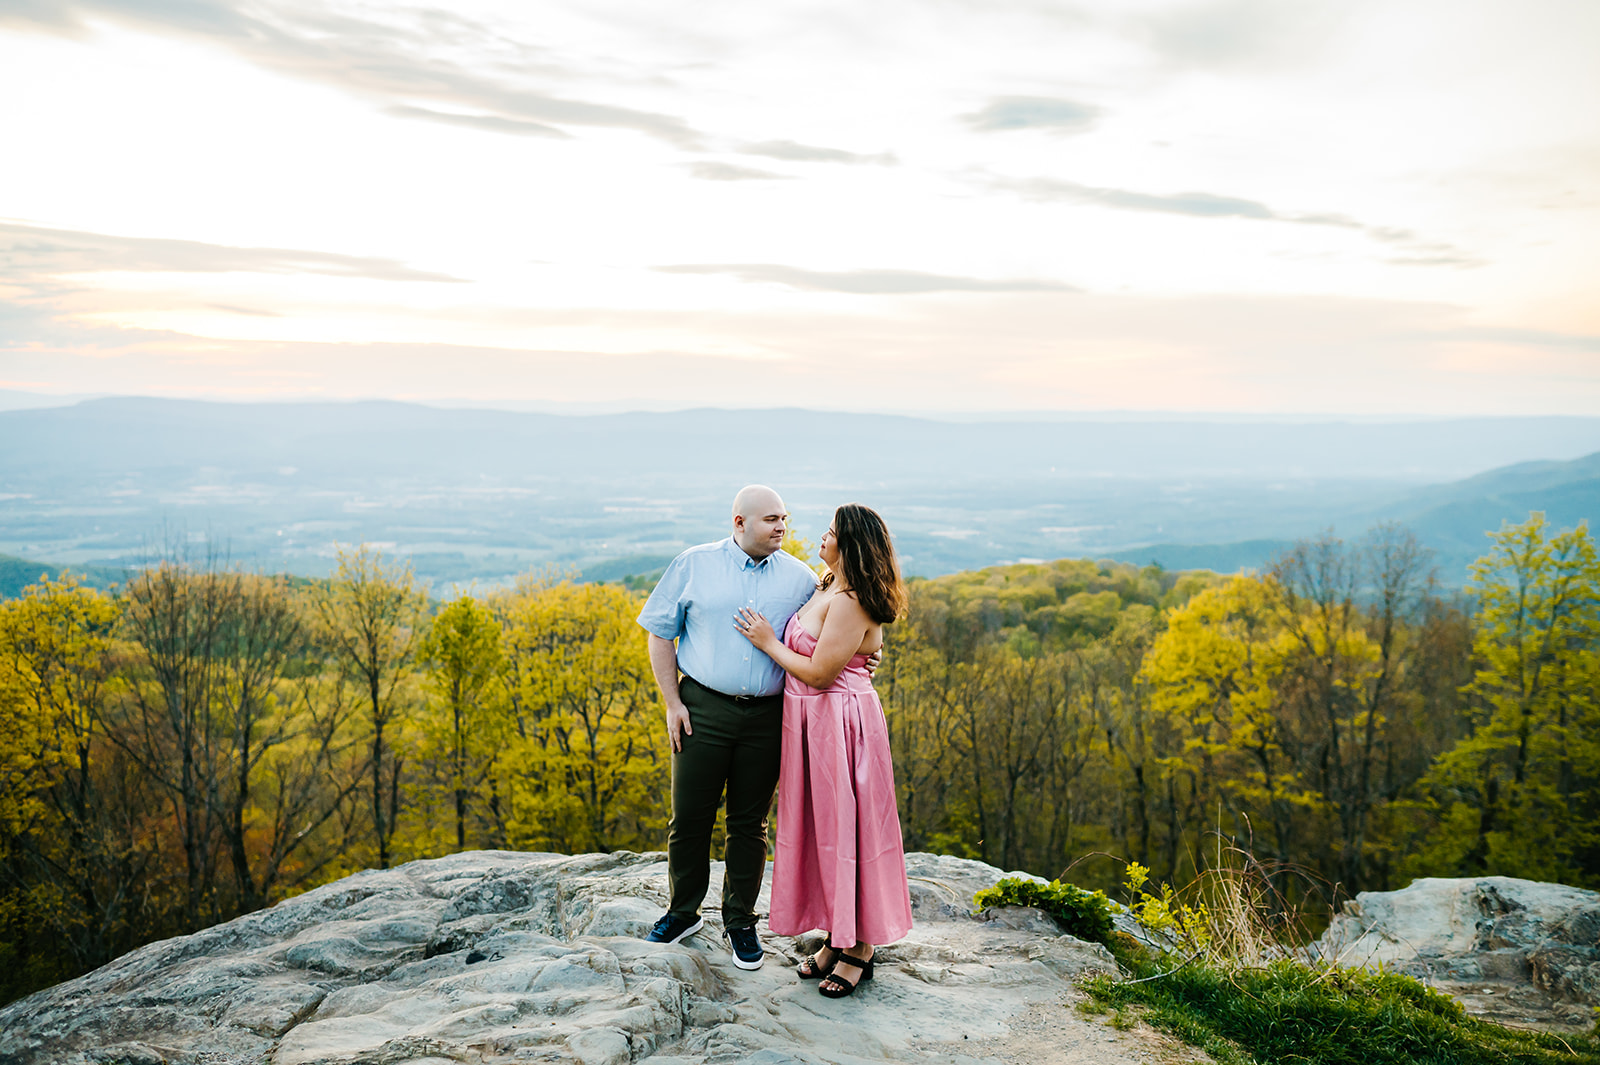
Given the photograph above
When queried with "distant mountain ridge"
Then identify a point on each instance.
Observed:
(106, 435)
(479, 495)
(1453, 519)
(17, 574)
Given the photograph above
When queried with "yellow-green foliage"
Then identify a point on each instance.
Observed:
(1211, 677)
(588, 766)
(1521, 795)
(800, 548)
(1041, 607)
(28, 758)
(464, 724)
(372, 613)
(57, 663)
(1188, 926)
(203, 741)
(54, 647)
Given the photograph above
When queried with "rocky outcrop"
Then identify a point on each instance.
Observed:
(1517, 951)
(509, 957)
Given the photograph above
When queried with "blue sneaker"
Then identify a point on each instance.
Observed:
(672, 929)
(747, 953)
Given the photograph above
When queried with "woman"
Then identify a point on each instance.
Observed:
(840, 864)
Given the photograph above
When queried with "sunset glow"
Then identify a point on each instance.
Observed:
(1225, 205)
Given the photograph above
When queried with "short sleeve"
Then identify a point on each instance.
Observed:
(663, 611)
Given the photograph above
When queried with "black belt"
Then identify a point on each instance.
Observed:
(741, 700)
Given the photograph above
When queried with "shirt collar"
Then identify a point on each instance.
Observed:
(741, 558)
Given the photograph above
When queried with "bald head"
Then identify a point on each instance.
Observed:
(756, 497)
(759, 520)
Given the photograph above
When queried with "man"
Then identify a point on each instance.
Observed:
(725, 714)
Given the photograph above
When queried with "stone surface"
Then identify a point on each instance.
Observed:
(491, 957)
(1516, 951)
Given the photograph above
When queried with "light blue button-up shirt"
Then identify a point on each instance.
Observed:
(695, 603)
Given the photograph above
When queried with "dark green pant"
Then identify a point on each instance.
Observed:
(734, 745)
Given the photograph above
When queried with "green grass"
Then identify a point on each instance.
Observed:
(1287, 1013)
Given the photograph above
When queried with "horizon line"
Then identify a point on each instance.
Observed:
(14, 400)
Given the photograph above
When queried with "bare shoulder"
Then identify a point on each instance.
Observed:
(847, 608)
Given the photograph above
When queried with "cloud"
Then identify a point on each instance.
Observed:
(1539, 338)
(399, 65)
(1234, 33)
(1006, 113)
(29, 252)
(1200, 204)
(1211, 205)
(493, 123)
(45, 14)
(1434, 260)
(729, 172)
(251, 312)
(806, 153)
(862, 282)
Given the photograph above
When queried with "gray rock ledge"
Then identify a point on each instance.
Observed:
(495, 956)
(1516, 951)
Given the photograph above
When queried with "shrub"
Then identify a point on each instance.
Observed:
(1085, 914)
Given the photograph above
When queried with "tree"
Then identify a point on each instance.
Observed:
(371, 611)
(29, 763)
(591, 767)
(72, 816)
(1122, 707)
(208, 740)
(303, 822)
(1347, 619)
(175, 618)
(26, 760)
(1520, 795)
(261, 634)
(1212, 676)
(466, 727)
(996, 687)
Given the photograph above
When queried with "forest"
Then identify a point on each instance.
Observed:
(202, 741)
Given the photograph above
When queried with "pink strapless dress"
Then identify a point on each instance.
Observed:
(840, 863)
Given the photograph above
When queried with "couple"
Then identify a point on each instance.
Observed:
(744, 613)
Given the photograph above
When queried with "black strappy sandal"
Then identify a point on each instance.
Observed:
(810, 970)
(847, 988)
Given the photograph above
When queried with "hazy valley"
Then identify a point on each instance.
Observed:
(479, 495)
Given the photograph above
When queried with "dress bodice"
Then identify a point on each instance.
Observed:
(854, 676)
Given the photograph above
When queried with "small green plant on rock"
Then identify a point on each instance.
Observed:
(1166, 914)
(1082, 913)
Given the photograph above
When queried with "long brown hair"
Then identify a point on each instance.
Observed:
(866, 555)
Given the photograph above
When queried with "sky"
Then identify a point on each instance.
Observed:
(1253, 206)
